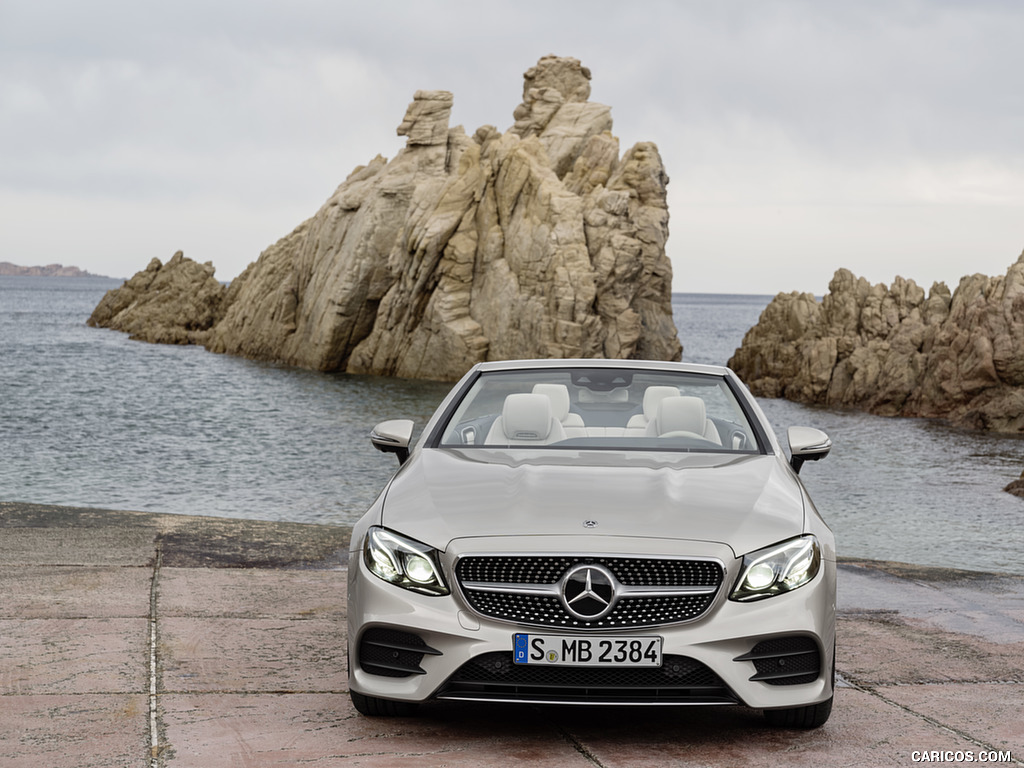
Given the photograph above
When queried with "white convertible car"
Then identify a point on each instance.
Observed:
(595, 532)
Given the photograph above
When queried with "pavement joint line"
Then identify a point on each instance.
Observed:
(926, 718)
(578, 746)
(154, 730)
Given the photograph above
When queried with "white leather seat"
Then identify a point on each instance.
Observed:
(683, 416)
(558, 394)
(526, 419)
(637, 425)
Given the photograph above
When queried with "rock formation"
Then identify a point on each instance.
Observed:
(895, 351)
(539, 242)
(1016, 487)
(172, 303)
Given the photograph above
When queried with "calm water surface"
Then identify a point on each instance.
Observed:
(90, 418)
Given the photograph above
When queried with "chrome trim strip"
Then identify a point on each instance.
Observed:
(538, 590)
(635, 591)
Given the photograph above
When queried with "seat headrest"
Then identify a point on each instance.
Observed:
(526, 417)
(558, 394)
(681, 414)
(653, 396)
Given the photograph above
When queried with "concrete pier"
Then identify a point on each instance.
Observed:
(131, 639)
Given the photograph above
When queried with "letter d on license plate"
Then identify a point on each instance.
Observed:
(576, 651)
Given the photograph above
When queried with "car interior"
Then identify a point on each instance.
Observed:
(601, 409)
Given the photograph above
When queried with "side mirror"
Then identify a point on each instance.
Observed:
(807, 444)
(393, 437)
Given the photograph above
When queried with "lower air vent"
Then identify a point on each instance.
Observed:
(785, 661)
(495, 677)
(392, 653)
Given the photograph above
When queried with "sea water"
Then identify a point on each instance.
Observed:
(90, 418)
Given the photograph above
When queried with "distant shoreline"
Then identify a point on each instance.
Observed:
(7, 269)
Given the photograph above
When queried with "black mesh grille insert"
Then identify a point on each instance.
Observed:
(785, 661)
(392, 653)
(631, 611)
(680, 680)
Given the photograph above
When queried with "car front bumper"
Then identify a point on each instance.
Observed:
(721, 641)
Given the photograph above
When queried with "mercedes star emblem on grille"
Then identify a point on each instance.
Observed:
(588, 591)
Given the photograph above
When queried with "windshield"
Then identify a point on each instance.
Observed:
(601, 408)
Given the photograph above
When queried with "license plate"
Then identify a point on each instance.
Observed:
(587, 651)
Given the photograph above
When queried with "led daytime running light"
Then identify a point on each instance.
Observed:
(404, 562)
(778, 569)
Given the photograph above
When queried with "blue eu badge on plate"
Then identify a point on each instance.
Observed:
(521, 648)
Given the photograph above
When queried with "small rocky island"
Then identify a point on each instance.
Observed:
(895, 351)
(50, 270)
(538, 242)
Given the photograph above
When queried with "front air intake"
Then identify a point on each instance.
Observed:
(495, 677)
(785, 661)
(392, 653)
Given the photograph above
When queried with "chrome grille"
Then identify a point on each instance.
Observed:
(650, 591)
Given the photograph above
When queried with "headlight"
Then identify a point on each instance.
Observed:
(403, 561)
(781, 568)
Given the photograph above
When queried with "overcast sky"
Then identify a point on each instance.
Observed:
(886, 137)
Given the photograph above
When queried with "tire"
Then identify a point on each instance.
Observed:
(371, 706)
(801, 718)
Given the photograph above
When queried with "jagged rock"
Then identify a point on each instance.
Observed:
(172, 303)
(1016, 487)
(539, 242)
(426, 121)
(895, 351)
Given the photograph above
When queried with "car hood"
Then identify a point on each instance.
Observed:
(745, 502)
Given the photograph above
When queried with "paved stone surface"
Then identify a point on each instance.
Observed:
(249, 593)
(251, 655)
(72, 731)
(248, 664)
(65, 656)
(87, 592)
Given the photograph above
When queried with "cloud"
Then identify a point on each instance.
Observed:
(785, 126)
